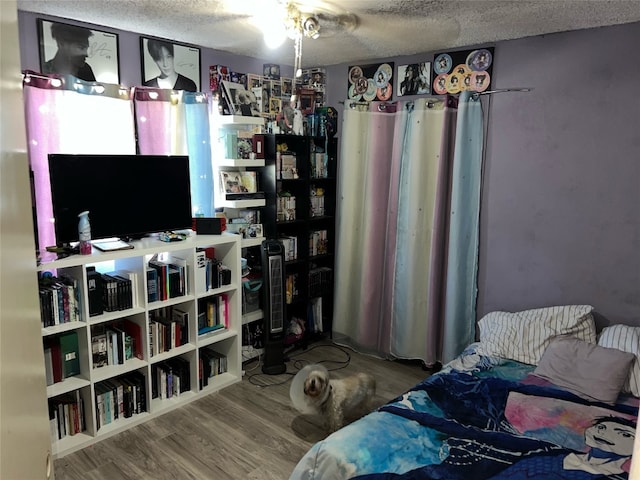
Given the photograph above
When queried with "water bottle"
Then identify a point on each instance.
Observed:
(84, 233)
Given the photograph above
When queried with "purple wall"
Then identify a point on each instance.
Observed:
(561, 200)
(560, 214)
(560, 218)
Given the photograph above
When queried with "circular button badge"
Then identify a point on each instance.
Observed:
(442, 63)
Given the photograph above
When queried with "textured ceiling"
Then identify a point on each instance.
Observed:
(385, 28)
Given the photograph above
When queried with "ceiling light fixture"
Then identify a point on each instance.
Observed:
(295, 25)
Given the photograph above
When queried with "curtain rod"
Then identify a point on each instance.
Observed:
(430, 101)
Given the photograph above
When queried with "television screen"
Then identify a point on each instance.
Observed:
(127, 196)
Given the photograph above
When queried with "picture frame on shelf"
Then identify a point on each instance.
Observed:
(306, 100)
(169, 65)
(101, 47)
(240, 100)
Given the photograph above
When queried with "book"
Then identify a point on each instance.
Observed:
(70, 354)
(152, 285)
(99, 346)
(134, 331)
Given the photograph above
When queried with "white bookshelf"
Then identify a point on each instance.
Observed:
(226, 341)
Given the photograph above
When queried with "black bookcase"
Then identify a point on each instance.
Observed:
(312, 226)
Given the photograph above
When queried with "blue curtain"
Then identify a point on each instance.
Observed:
(464, 219)
(199, 148)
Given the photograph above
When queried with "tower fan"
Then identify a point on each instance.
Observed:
(273, 287)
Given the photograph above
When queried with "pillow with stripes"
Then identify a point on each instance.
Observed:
(524, 336)
(627, 339)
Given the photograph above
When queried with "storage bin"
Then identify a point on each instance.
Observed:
(251, 295)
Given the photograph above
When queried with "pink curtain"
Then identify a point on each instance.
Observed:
(160, 121)
(68, 115)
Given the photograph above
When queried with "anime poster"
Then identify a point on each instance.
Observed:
(454, 72)
(371, 82)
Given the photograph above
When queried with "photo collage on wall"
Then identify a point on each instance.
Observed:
(371, 82)
(455, 72)
(268, 94)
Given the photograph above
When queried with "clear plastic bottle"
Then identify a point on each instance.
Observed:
(84, 233)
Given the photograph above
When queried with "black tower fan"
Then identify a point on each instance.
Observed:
(273, 288)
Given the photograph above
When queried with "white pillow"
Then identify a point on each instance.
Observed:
(627, 339)
(524, 336)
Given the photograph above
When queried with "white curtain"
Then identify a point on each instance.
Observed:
(394, 253)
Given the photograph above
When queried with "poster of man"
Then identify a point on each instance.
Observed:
(87, 54)
(169, 65)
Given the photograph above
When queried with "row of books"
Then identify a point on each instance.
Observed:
(166, 279)
(59, 299)
(118, 290)
(318, 243)
(213, 313)
(290, 244)
(115, 343)
(211, 273)
(110, 292)
(320, 281)
(66, 415)
(211, 363)
(170, 378)
(61, 357)
(319, 165)
(317, 201)
(285, 208)
(286, 165)
(168, 328)
(120, 397)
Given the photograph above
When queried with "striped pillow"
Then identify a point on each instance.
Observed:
(627, 339)
(524, 336)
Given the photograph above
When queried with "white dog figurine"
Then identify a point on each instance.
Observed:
(335, 399)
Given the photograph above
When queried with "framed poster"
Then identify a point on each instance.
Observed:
(169, 65)
(88, 54)
(370, 82)
(414, 79)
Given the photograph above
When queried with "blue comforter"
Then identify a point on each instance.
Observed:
(480, 418)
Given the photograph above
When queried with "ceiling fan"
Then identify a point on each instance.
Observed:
(295, 19)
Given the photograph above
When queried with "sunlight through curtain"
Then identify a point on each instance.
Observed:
(394, 188)
(68, 115)
(177, 123)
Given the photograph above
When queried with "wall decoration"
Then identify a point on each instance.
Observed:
(414, 79)
(455, 72)
(370, 82)
(88, 54)
(169, 65)
(218, 73)
(239, 100)
(271, 71)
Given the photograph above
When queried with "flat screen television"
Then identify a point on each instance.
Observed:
(127, 196)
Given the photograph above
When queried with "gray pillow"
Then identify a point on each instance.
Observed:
(590, 371)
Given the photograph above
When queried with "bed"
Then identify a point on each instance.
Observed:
(540, 395)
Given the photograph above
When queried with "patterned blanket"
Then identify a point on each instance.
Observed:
(480, 418)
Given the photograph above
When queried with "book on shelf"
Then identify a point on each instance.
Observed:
(99, 346)
(318, 243)
(286, 165)
(152, 284)
(70, 354)
(134, 331)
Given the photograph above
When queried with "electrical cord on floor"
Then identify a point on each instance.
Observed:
(299, 363)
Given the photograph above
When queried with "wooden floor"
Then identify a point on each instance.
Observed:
(245, 431)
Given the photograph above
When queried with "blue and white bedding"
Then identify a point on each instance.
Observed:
(481, 417)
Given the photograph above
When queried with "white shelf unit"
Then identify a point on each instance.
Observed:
(226, 341)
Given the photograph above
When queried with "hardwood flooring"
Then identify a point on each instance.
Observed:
(246, 431)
